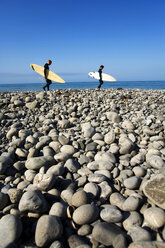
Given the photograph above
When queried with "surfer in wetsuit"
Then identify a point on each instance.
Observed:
(100, 74)
(46, 68)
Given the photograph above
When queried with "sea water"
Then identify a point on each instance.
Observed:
(83, 85)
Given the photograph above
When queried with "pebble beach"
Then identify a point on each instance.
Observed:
(82, 169)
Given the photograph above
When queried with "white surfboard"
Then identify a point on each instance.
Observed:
(105, 77)
(51, 75)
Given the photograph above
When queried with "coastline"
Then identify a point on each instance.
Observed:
(87, 162)
(84, 85)
(110, 89)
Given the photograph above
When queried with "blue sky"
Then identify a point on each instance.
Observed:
(126, 36)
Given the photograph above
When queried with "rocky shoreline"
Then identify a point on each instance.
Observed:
(82, 168)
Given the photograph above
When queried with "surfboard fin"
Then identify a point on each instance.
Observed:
(32, 67)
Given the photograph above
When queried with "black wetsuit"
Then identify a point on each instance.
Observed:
(46, 68)
(101, 81)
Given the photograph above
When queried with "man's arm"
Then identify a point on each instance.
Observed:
(45, 70)
(100, 74)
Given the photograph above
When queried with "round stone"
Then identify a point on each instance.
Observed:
(137, 159)
(128, 125)
(61, 157)
(111, 214)
(84, 230)
(64, 124)
(66, 195)
(56, 244)
(68, 149)
(117, 199)
(132, 182)
(105, 189)
(113, 117)
(11, 133)
(10, 230)
(105, 156)
(97, 178)
(55, 145)
(126, 145)
(109, 138)
(138, 233)
(79, 198)
(84, 172)
(88, 130)
(131, 204)
(85, 214)
(29, 175)
(120, 241)
(91, 146)
(48, 151)
(58, 209)
(105, 233)
(37, 162)
(49, 228)
(14, 195)
(97, 136)
(63, 139)
(114, 148)
(81, 181)
(132, 219)
(154, 189)
(139, 171)
(106, 173)
(155, 161)
(33, 201)
(22, 185)
(43, 141)
(100, 165)
(72, 165)
(56, 170)
(78, 241)
(92, 189)
(22, 153)
(155, 217)
(44, 182)
(19, 165)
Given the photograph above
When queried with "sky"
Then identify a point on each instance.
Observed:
(126, 36)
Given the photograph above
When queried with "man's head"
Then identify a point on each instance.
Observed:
(49, 62)
(101, 67)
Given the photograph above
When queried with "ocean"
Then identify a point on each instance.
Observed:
(83, 85)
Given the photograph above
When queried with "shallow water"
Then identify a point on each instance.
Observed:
(84, 85)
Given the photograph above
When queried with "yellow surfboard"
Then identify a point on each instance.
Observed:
(51, 75)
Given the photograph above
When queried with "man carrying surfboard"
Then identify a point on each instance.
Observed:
(46, 70)
(100, 74)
